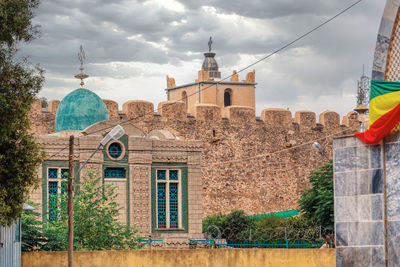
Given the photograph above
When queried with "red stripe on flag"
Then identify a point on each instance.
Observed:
(381, 127)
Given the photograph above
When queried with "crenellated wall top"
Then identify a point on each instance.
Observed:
(141, 110)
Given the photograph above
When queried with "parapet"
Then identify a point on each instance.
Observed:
(138, 109)
(112, 107)
(208, 112)
(239, 114)
(53, 106)
(330, 119)
(172, 110)
(36, 107)
(305, 118)
(351, 120)
(277, 117)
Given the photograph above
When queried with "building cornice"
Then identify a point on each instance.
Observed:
(209, 82)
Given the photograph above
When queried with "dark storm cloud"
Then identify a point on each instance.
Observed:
(270, 9)
(147, 32)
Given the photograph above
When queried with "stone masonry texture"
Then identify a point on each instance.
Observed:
(359, 171)
(257, 165)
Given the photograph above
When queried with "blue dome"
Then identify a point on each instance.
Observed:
(80, 109)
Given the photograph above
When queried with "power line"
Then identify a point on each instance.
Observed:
(241, 70)
(282, 150)
(252, 64)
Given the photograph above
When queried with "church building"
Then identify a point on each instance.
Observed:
(158, 177)
(208, 88)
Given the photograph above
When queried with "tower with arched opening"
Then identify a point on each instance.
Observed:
(208, 88)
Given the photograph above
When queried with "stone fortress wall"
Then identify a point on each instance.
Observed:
(259, 165)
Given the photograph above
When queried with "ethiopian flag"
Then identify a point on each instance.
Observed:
(384, 111)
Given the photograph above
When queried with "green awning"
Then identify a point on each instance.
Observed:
(282, 214)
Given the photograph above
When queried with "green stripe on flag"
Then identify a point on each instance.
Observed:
(379, 88)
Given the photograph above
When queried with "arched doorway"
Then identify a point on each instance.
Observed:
(227, 97)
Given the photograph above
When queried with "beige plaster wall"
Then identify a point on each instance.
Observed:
(242, 95)
(177, 258)
(192, 97)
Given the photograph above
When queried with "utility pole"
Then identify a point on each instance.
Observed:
(71, 201)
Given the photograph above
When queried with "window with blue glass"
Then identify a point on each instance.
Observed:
(162, 209)
(57, 185)
(115, 150)
(115, 173)
(53, 201)
(53, 173)
(168, 197)
(173, 206)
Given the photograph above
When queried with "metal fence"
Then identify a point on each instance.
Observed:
(10, 245)
(278, 237)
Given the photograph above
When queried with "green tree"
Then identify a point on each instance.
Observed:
(95, 224)
(19, 84)
(317, 202)
(227, 226)
(31, 237)
(211, 221)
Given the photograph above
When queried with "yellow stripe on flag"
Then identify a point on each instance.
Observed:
(381, 105)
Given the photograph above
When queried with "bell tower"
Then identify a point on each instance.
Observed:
(208, 88)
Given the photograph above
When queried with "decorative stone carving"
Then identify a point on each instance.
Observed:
(250, 77)
(170, 82)
(235, 77)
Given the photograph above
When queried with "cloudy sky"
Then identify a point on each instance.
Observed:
(131, 45)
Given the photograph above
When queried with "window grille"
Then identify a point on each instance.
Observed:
(162, 212)
(57, 185)
(161, 174)
(64, 173)
(53, 199)
(168, 195)
(53, 173)
(115, 150)
(173, 205)
(173, 175)
(114, 173)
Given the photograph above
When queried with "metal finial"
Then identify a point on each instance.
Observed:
(81, 57)
(209, 44)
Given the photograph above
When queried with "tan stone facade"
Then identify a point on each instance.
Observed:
(208, 88)
(210, 92)
(256, 164)
(142, 156)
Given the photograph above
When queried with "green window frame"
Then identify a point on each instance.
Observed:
(55, 179)
(170, 189)
(114, 173)
(57, 186)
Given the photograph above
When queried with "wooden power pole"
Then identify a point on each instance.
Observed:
(71, 201)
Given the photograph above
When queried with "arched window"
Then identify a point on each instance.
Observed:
(184, 99)
(228, 97)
